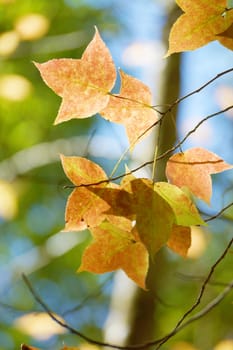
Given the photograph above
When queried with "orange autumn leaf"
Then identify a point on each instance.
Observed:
(84, 208)
(120, 200)
(226, 37)
(88, 206)
(115, 248)
(192, 169)
(132, 108)
(82, 171)
(200, 24)
(135, 199)
(83, 84)
(166, 205)
(228, 33)
(180, 240)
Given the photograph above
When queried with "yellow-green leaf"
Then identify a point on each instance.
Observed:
(82, 171)
(185, 211)
(154, 216)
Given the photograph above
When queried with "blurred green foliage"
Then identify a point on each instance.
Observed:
(36, 189)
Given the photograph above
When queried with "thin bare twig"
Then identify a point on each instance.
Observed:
(179, 326)
(219, 213)
(87, 298)
(175, 103)
(199, 298)
(57, 320)
(199, 278)
(199, 89)
(213, 303)
(199, 314)
(171, 150)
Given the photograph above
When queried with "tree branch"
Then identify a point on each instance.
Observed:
(219, 213)
(171, 150)
(199, 89)
(57, 320)
(179, 326)
(200, 314)
(199, 298)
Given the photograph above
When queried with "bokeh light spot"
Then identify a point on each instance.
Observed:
(14, 87)
(32, 26)
(38, 325)
(8, 42)
(224, 345)
(8, 201)
(199, 243)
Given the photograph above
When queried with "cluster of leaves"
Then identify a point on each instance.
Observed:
(132, 220)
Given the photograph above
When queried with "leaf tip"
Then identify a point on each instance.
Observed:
(56, 122)
(81, 268)
(97, 34)
(96, 29)
(167, 54)
(37, 65)
(62, 157)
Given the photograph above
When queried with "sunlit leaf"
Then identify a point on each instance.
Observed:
(192, 169)
(226, 37)
(82, 171)
(180, 240)
(83, 84)
(121, 202)
(113, 249)
(132, 108)
(84, 208)
(185, 211)
(201, 22)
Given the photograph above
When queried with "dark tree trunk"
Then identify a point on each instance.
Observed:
(143, 321)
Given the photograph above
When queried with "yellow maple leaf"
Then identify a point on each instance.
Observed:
(200, 24)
